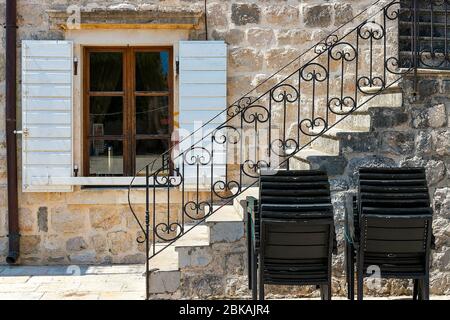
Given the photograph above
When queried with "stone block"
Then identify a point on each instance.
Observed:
(387, 118)
(245, 59)
(42, 219)
(164, 282)
(441, 142)
(83, 257)
(434, 117)
(26, 220)
(137, 258)
(226, 231)
(359, 142)
(278, 57)
(397, 142)
(442, 202)
(194, 256)
(343, 13)
(243, 13)
(30, 244)
(65, 221)
(76, 244)
(104, 217)
(232, 37)
(317, 15)
(98, 243)
(294, 37)
(205, 285)
(119, 242)
(260, 37)
(423, 142)
(217, 14)
(281, 14)
(332, 165)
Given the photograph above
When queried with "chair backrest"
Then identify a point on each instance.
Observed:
(295, 194)
(296, 227)
(395, 219)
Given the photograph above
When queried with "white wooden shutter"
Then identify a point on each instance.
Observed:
(46, 114)
(202, 96)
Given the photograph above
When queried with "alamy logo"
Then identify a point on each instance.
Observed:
(374, 280)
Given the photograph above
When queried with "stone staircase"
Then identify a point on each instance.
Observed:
(326, 151)
(211, 261)
(193, 252)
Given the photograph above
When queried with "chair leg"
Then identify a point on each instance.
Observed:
(347, 269)
(350, 268)
(352, 273)
(249, 257)
(254, 272)
(360, 280)
(415, 289)
(261, 277)
(325, 292)
(425, 288)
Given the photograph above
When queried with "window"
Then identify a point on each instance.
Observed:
(128, 99)
(424, 36)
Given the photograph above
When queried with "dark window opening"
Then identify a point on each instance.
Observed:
(424, 34)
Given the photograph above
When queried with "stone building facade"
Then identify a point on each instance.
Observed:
(94, 226)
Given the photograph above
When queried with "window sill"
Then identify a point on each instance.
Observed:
(92, 181)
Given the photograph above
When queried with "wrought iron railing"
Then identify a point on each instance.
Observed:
(311, 95)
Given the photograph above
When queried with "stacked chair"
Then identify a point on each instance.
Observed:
(390, 227)
(291, 231)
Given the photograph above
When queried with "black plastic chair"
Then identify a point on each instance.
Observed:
(290, 231)
(390, 227)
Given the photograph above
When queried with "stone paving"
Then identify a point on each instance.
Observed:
(123, 282)
(119, 282)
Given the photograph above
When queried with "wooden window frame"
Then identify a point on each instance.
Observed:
(129, 95)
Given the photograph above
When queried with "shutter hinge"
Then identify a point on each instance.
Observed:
(23, 132)
(177, 67)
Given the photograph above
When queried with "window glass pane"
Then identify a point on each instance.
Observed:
(106, 158)
(106, 116)
(106, 72)
(152, 115)
(149, 150)
(152, 71)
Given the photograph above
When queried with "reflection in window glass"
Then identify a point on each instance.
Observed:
(106, 71)
(106, 157)
(152, 115)
(152, 70)
(106, 116)
(149, 150)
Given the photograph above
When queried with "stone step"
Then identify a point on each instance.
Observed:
(252, 191)
(225, 225)
(390, 97)
(329, 141)
(301, 161)
(358, 121)
(305, 153)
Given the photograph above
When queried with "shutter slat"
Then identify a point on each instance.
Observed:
(203, 95)
(46, 113)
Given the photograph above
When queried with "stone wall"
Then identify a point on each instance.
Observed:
(79, 227)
